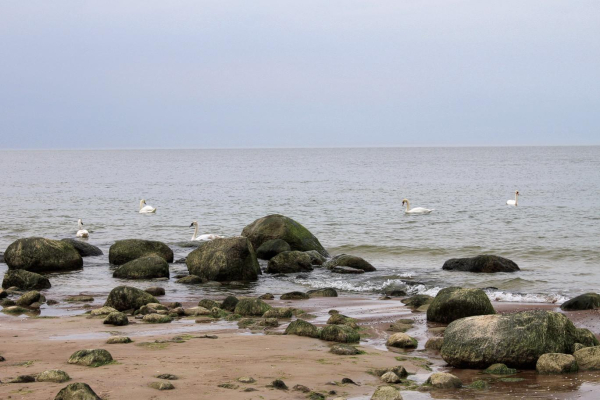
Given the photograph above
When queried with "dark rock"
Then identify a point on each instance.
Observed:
(289, 262)
(191, 280)
(454, 303)
(124, 298)
(394, 292)
(230, 259)
(124, 251)
(38, 254)
(266, 296)
(325, 292)
(499, 369)
(346, 270)
(229, 303)
(587, 301)
(345, 260)
(155, 291)
(181, 260)
(118, 340)
(117, 319)
(315, 257)
(251, 307)
(25, 280)
(300, 327)
(271, 248)
(208, 304)
(169, 377)
(294, 296)
(84, 249)
(22, 379)
(91, 358)
(146, 267)
(483, 263)
(279, 384)
(77, 391)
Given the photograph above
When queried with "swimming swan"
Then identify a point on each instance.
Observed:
(145, 209)
(514, 202)
(203, 238)
(417, 210)
(82, 233)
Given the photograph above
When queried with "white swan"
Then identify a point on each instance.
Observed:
(82, 233)
(145, 209)
(204, 238)
(417, 210)
(514, 202)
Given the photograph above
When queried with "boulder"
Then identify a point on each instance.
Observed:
(454, 303)
(345, 260)
(516, 339)
(284, 228)
(390, 377)
(229, 303)
(294, 296)
(443, 380)
(208, 304)
(325, 292)
(38, 254)
(278, 313)
(588, 359)
(585, 337)
(401, 340)
(91, 358)
(300, 327)
(340, 334)
(315, 257)
(117, 319)
(127, 250)
(289, 262)
(102, 311)
(191, 280)
(77, 391)
(155, 291)
(230, 259)
(84, 249)
(25, 280)
(251, 307)
(271, 248)
(53, 375)
(586, 301)
(434, 343)
(29, 298)
(340, 319)
(556, 363)
(482, 263)
(157, 319)
(124, 298)
(386, 393)
(499, 369)
(147, 267)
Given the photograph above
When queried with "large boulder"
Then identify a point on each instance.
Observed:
(53, 375)
(38, 254)
(127, 250)
(124, 298)
(25, 280)
(280, 227)
(83, 248)
(454, 303)
(289, 262)
(147, 267)
(586, 301)
(345, 260)
(271, 248)
(516, 339)
(483, 263)
(77, 391)
(230, 259)
(556, 363)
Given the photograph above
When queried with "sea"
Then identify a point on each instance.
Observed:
(349, 198)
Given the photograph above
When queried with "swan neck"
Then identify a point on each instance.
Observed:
(195, 232)
(141, 204)
(407, 206)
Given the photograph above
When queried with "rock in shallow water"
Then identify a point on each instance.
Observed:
(443, 380)
(588, 359)
(29, 298)
(155, 291)
(294, 296)
(25, 280)
(339, 333)
(345, 260)
(251, 307)
(325, 292)
(84, 249)
(482, 263)
(401, 340)
(38, 254)
(556, 363)
(454, 303)
(127, 250)
(271, 248)
(586, 301)
(124, 298)
(147, 267)
(386, 393)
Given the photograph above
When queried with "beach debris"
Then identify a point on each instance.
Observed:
(169, 377)
(556, 363)
(324, 292)
(155, 291)
(386, 393)
(29, 298)
(124, 251)
(146, 267)
(77, 391)
(271, 248)
(443, 380)
(481, 263)
(300, 327)
(340, 334)
(279, 384)
(455, 303)
(289, 262)
(344, 350)
(434, 343)
(161, 385)
(118, 340)
(124, 298)
(586, 301)
(294, 296)
(38, 254)
(588, 359)
(246, 379)
(117, 319)
(53, 375)
(84, 249)
(349, 261)
(25, 280)
(251, 307)
(91, 357)
(401, 340)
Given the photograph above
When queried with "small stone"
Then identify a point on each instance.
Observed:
(301, 388)
(344, 350)
(79, 298)
(348, 381)
(390, 377)
(157, 319)
(118, 340)
(228, 386)
(169, 377)
(479, 385)
(161, 385)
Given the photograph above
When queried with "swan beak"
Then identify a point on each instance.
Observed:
(191, 225)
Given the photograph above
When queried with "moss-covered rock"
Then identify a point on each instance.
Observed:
(124, 298)
(29, 298)
(251, 307)
(53, 375)
(344, 349)
(147, 267)
(386, 393)
(482, 263)
(208, 304)
(434, 343)
(588, 359)
(340, 319)
(157, 319)
(117, 319)
(340, 334)
(479, 384)
(124, 251)
(230, 259)
(271, 248)
(191, 280)
(25, 280)
(556, 363)
(300, 327)
(315, 257)
(229, 303)
(401, 340)
(516, 339)
(499, 369)
(77, 391)
(102, 311)
(443, 380)
(38, 254)
(79, 298)
(324, 292)
(118, 340)
(294, 296)
(289, 262)
(84, 249)
(345, 260)
(390, 377)
(417, 301)
(91, 357)
(282, 312)
(585, 337)
(454, 303)
(586, 301)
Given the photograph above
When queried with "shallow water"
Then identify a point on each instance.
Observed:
(349, 198)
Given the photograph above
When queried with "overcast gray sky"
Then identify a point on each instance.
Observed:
(196, 74)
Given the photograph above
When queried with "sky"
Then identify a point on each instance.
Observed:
(335, 73)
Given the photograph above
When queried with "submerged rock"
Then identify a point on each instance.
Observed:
(91, 357)
(127, 250)
(324, 292)
(124, 298)
(25, 280)
(300, 327)
(77, 391)
(586, 301)
(339, 333)
(38, 254)
(289, 262)
(251, 307)
(482, 263)
(147, 267)
(53, 375)
(29, 298)
(556, 363)
(345, 260)
(84, 249)
(271, 248)
(230, 259)
(401, 340)
(499, 369)
(443, 380)
(454, 303)
(191, 280)
(294, 296)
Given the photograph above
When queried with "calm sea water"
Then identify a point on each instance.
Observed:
(349, 198)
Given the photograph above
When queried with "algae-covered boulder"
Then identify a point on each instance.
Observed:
(443, 380)
(483, 263)
(499, 369)
(585, 337)
(454, 303)
(300, 327)
(77, 391)
(25, 280)
(208, 304)
(588, 359)
(91, 357)
(516, 339)
(278, 313)
(102, 311)
(251, 307)
(345, 260)
(116, 318)
(229, 303)
(340, 334)
(343, 349)
(325, 292)
(401, 340)
(556, 363)
(271, 248)
(29, 298)
(586, 301)
(124, 298)
(38, 254)
(147, 267)
(289, 262)
(284, 228)
(386, 393)
(230, 259)
(434, 343)
(294, 296)
(157, 319)
(118, 340)
(53, 375)
(191, 280)
(315, 257)
(127, 250)
(84, 249)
